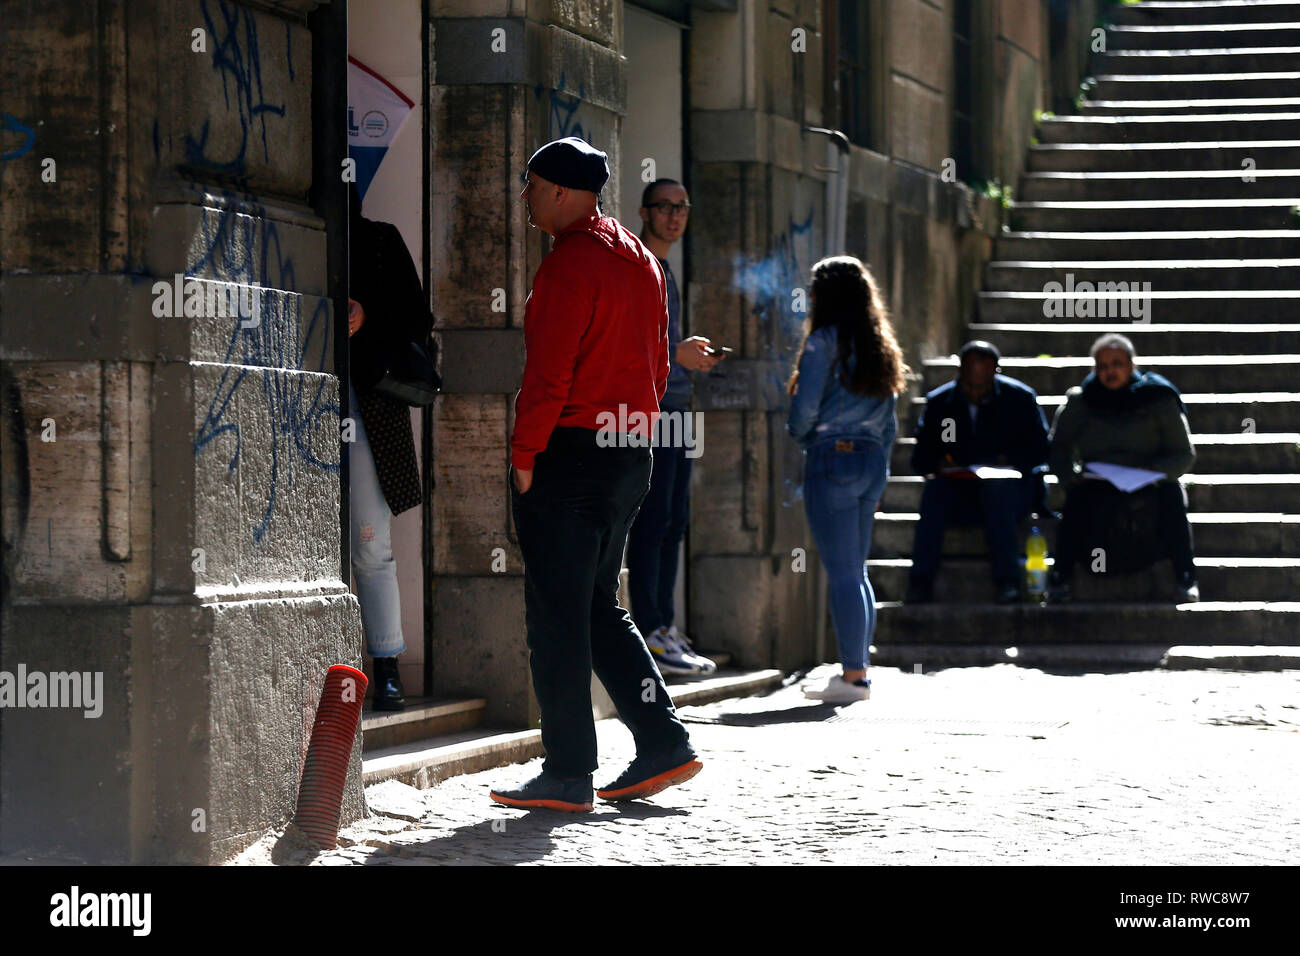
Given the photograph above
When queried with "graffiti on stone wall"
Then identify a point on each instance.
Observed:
(11, 125)
(236, 55)
(246, 249)
(562, 118)
(770, 284)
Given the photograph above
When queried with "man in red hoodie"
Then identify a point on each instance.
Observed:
(596, 337)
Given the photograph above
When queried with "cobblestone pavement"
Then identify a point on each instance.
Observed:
(964, 766)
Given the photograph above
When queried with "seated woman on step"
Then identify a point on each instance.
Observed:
(1122, 416)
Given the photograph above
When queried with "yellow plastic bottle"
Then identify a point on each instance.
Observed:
(1036, 565)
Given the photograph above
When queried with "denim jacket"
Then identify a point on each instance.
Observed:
(822, 409)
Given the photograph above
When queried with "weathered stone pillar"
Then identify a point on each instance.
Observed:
(170, 476)
(756, 229)
(506, 81)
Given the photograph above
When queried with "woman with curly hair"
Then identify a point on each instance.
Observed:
(844, 390)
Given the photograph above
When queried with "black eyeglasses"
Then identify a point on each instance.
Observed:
(670, 208)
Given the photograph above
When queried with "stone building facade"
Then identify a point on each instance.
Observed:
(171, 484)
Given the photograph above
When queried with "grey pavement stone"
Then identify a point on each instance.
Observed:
(993, 765)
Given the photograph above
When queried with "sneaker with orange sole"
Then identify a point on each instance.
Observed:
(547, 792)
(646, 776)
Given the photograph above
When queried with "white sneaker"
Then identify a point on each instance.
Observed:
(668, 654)
(838, 691)
(683, 643)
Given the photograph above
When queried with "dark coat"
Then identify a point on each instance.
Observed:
(384, 280)
(1010, 424)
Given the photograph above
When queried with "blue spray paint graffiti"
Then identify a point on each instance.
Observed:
(247, 249)
(769, 283)
(236, 55)
(10, 124)
(562, 117)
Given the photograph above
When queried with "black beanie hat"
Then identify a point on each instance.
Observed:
(572, 163)
(980, 347)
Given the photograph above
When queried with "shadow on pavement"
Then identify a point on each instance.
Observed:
(787, 715)
(523, 838)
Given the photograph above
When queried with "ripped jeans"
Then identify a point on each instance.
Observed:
(373, 565)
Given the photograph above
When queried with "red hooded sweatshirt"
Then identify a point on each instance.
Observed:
(596, 336)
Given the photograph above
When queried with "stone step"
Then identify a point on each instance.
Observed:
(1202, 244)
(1207, 86)
(423, 717)
(427, 762)
(1158, 128)
(1228, 454)
(1076, 338)
(1166, 274)
(922, 658)
(1220, 307)
(1162, 156)
(1240, 535)
(1207, 12)
(1205, 493)
(1201, 36)
(1203, 623)
(1191, 373)
(1160, 185)
(1212, 413)
(1183, 105)
(1264, 59)
(969, 580)
(1156, 214)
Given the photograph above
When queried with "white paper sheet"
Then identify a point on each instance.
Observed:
(1123, 477)
(982, 471)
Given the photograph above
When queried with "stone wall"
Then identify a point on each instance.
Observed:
(170, 482)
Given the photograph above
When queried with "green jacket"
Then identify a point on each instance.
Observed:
(1156, 437)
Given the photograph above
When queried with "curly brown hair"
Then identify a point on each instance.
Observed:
(845, 295)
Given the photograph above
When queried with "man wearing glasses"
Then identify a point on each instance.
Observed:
(595, 337)
(655, 540)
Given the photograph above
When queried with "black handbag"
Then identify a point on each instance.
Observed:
(410, 375)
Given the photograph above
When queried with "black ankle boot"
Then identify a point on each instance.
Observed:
(388, 686)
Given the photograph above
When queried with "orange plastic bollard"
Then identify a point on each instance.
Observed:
(325, 772)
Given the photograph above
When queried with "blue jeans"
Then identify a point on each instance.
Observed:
(843, 480)
(373, 564)
(995, 503)
(655, 540)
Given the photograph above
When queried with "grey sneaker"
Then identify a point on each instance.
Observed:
(548, 792)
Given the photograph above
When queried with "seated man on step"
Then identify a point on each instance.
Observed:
(985, 419)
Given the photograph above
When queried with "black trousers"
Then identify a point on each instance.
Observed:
(1084, 502)
(572, 524)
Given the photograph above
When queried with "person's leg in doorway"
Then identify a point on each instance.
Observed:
(375, 569)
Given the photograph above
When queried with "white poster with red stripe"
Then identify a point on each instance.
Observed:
(376, 111)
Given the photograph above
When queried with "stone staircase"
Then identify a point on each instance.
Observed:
(1182, 170)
